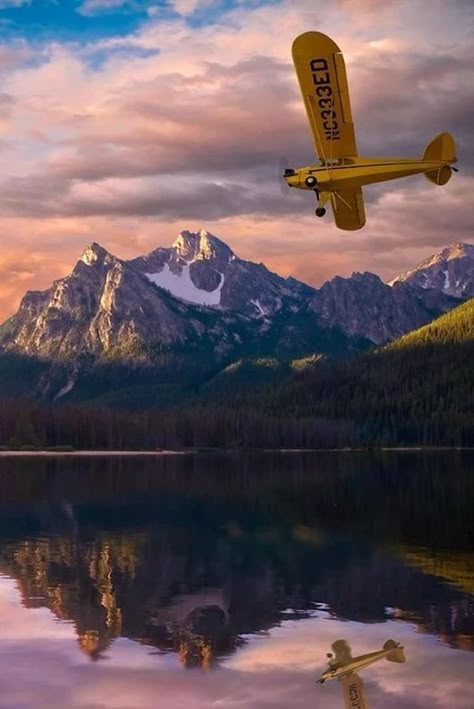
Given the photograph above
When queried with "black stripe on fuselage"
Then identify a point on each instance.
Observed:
(364, 164)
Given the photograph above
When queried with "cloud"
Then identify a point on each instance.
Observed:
(14, 55)
(408, 97)
(6, 4)
(154, 130)
(90, 8)
(186, 7)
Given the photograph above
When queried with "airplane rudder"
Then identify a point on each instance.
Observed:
(396, 653)
(441, 147)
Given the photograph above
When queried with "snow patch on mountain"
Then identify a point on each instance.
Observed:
(66, 388)
(446, 281)
(450, 272)
(259, 307)
(182, 286)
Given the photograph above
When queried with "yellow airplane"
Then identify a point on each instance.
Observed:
(339, 177)
(343, 667)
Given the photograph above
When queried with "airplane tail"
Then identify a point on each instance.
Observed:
(396, 653)
(443, 148)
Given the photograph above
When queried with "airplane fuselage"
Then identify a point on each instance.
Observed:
(339, 178)
(357, 663)
(352, 173)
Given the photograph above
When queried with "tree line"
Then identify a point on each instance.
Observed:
(416, 391)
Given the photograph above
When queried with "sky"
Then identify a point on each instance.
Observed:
(127, 121)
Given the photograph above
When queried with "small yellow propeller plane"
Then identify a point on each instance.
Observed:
(343, 667)
(339, 177)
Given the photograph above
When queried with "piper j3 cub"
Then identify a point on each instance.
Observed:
(343, 667)
(341, 174)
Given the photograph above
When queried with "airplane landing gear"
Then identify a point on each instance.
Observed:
(311, 181)
(321, 198)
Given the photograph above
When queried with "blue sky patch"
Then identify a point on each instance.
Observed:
(66, 20)
(88, 20)
(210, 13)
(96, 59)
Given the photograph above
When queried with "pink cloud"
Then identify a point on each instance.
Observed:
(132, 151)
(91, 7)
(309, 249)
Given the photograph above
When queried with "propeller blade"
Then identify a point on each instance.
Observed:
(283, 166)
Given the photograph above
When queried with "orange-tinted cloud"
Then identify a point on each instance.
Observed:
(132, 149)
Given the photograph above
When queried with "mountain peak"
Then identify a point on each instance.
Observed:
(365, 276)
(94, 253)
(449, 271)
(458, 250)
(200, 246)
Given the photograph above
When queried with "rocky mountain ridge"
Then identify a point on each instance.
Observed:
(105, 306)
(366, 306)
(450, 271)
(202, 269)
(196, 307)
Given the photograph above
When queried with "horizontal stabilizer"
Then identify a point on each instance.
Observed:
(441, 176)
(396, 653)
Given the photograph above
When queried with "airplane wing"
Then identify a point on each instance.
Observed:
(342, 652)
(354, 694)
(348, 208)
(321, 74)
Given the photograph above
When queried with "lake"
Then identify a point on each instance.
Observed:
(215, 580)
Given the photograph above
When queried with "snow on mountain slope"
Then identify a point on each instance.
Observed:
(182, 286)
(200, 268)
(106, 306)
(111, 308)
(365, 306)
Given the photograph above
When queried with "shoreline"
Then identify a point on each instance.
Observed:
(196, 451)
(85, 453)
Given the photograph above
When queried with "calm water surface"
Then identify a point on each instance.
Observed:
(221, 581)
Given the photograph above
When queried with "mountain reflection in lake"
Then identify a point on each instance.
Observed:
(231, 562)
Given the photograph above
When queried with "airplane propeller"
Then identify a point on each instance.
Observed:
(283, 167)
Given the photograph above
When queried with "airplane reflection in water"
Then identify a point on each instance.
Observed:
(42, 668)
(196, 597)
(176, 556)
(344, 667)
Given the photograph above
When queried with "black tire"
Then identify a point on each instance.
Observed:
(320, 212)
(311, 181)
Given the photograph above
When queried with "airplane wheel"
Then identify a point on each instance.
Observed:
(320, 212)
(311, 181)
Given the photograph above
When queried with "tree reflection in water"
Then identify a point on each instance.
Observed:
(189, 554)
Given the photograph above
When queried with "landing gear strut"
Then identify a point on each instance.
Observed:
(321, 198)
